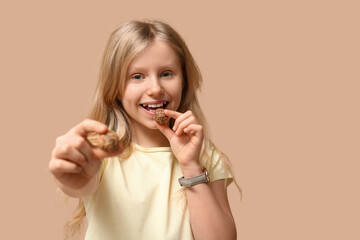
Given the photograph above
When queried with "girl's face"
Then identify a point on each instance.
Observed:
(154, 80)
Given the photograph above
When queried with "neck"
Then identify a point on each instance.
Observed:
(148, 138)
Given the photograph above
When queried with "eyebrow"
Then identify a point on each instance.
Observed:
(142, 69)
(136, 69)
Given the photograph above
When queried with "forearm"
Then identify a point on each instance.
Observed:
(208, 219)
(80, 191)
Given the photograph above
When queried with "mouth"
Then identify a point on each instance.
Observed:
(152, 107)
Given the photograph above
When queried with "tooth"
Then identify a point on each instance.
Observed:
(154, 105)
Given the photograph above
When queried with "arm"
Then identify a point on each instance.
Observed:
(89, 187)
(210, 214)
(76, 164)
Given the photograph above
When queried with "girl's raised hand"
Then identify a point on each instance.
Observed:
(185, 139)
(74, 162)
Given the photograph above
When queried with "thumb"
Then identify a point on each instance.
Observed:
(164, 128)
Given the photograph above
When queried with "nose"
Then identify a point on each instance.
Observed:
(155, 87)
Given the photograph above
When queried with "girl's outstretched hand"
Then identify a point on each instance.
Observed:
(74, 162)
(185, 139)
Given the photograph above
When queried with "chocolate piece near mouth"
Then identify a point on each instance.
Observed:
(159, 116)
(108, 141)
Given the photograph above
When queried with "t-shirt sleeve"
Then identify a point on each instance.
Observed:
(216, 167)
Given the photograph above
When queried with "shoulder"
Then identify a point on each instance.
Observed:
(217, 164)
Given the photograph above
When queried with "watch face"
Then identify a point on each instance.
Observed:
(187, 184)
(184, 182)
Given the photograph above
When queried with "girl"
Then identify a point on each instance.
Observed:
(134, 192)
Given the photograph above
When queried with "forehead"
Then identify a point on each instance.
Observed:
(157, 54)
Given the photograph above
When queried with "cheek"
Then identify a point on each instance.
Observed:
(179, 89)
(127, 100)
(176, 92)
(131, 92)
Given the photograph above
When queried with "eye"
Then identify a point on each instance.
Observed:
(137, 77)
(166, 74)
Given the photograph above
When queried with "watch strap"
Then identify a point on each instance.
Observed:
(188, 182)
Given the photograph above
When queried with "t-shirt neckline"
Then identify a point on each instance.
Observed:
(154, 149)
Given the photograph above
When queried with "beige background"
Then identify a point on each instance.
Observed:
(285, 73)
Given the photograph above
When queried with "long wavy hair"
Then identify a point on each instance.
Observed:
(126, 42)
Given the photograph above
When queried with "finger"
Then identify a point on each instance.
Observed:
(172, 114)
(189, 132)
(101, 154)
(87, 126)
(194, 129)
(184, 124)
(165, 130)
(70, 153)
(58, 166)
(181, 118)
(95, 154)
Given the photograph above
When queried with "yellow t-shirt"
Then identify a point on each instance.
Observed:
(140, 197)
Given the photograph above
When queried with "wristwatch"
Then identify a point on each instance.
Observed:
(202, 178)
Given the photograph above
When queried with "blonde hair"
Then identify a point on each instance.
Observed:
(126, 42)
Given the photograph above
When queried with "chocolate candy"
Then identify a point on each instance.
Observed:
(108, 142)
(159, 116)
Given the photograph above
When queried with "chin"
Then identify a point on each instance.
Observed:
(151, 126)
